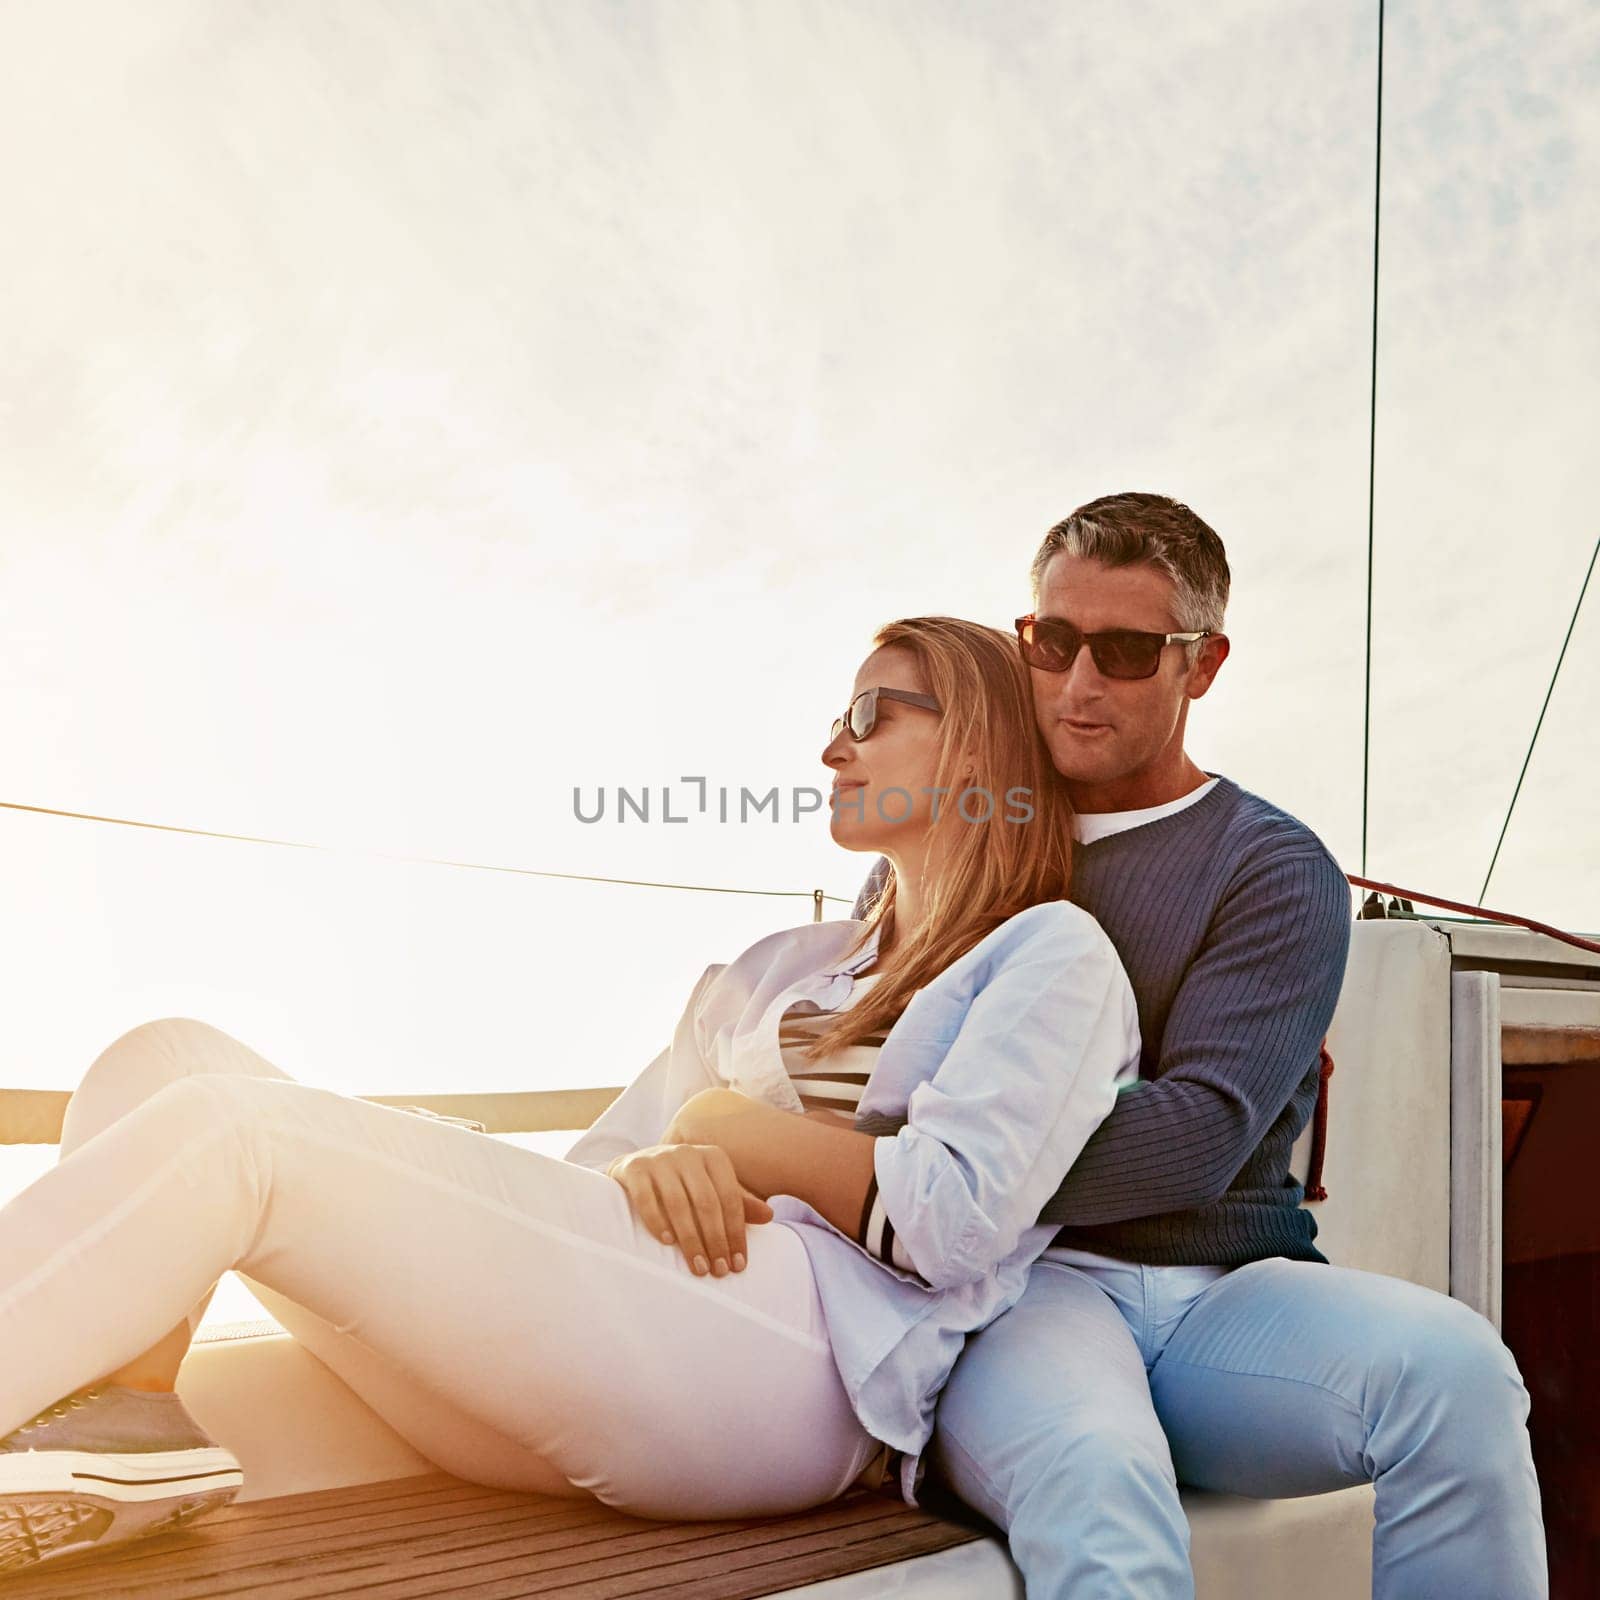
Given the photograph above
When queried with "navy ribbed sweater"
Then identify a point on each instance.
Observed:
(1233, 921)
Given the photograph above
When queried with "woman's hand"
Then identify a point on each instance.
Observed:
(689, 1194)
(823, 1162)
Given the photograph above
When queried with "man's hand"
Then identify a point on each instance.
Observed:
(689, 1194)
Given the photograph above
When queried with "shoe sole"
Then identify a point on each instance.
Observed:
(57, 1503)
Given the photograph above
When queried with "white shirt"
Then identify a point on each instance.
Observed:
(996, 1074)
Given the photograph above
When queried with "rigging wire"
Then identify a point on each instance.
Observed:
(1583, 590)
(1372, 449)
(1372, 487)
(813, 895)
(816, 896)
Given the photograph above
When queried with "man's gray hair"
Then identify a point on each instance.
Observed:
(1124, 529)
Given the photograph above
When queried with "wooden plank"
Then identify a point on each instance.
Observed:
(520, 1111)
(436, 1535)
(332, 1546)
(755, 1568)
(619, 1562)
(1528, 1045)
(392, 1501)
(488, 1560)
(222, 1556)
(790, 1570)
(34, 1116)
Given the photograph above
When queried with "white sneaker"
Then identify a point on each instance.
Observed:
(102, 1466)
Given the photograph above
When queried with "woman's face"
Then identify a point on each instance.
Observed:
(880, 800)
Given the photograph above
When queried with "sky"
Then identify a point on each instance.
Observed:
(413, 413)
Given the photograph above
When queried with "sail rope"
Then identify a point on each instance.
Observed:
(816, 896)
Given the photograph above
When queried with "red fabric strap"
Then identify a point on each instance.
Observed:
(1319, 1130)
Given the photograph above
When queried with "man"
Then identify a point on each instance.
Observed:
(1184, 1327)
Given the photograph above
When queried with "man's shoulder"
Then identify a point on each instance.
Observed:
(1248, 831)
(1258, 833)
(1278, 875)
(1232, 849)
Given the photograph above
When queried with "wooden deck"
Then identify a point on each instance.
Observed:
(438, 1535)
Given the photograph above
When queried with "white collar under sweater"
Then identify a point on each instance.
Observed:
(1088, 826)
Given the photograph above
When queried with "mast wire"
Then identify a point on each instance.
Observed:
(1540, 723)
(1372, 451)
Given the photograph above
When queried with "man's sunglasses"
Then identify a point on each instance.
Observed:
(1052, 645)
(862, 717)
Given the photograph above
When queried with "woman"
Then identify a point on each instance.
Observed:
(622, 1331)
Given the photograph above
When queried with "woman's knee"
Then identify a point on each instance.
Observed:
(132, 1068)
(166, 1047)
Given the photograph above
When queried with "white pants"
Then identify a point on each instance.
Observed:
(502, 1311)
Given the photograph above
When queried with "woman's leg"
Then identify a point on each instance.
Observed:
(516, 1289)
(449, 1437)
(128, 1072)
(125, 1074)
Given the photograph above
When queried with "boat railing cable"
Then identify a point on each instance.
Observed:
(1562, 656)
(815, 896)
(1510, 918)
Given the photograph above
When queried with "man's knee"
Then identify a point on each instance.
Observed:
(1445, 1363)
(1111, 1455)
(1079, 1461)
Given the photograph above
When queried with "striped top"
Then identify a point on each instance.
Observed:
(835, 1082)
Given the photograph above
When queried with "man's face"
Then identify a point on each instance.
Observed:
(1111, 731)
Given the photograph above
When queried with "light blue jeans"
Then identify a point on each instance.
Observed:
(1071, 1420)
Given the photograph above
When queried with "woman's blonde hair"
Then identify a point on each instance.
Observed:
(988, 870)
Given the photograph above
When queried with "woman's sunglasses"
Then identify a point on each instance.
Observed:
(1052, 645)
(862, 717)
